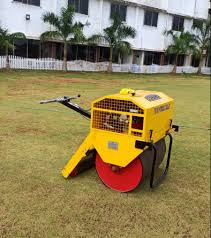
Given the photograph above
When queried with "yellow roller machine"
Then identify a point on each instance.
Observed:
(126, 142)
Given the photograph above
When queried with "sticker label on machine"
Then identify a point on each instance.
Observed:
(162, 108)
(113, 145)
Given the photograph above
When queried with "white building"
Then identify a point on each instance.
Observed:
(149, 17)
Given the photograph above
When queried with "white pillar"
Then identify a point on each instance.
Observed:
(137, 15)
(101, 14)
(142, 58)
(203, 61)
(188, 59)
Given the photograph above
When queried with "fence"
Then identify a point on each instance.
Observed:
(79, 65)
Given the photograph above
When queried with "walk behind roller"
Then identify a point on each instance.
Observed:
(127, 138)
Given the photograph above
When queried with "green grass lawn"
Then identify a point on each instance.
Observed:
(37, 140)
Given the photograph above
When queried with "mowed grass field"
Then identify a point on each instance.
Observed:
(36, 141)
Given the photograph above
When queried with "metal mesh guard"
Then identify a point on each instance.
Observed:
(118, 105)
(108, 121)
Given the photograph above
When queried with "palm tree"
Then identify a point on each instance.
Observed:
(115, 36)
(7, 41)
(202, 39)
(182, 43)
(65, 29)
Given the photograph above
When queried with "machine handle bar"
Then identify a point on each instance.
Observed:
(60, 100)
(66, 102)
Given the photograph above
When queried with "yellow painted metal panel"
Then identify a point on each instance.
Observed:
(78, 156)
(116, 149)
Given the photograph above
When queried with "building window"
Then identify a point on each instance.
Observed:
(195, 61)
(170, 59)
(181, 60)
(104, 54)
(82, 52)
(59, 51)
(178, 23)
(29, 2)
(208, 61)
(2, 51)
(119, 9)
(197, 22)
(21, 48)
(81, 6)
(151, 18)
(33, 49)
(151, 57)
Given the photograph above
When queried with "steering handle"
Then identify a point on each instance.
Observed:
(60, 100)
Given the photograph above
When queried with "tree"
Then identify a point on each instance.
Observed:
(115, 36)
(182, 43)
(7, 41)
(65, 29)
(202, 31)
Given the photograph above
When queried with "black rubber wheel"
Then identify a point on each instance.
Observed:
(147, 157)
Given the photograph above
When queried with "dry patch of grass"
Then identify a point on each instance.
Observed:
(37, 140)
